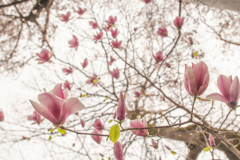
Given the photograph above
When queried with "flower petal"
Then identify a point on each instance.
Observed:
(218, 97)
(234, 90)
(224, 85)
(57, 91)
(52, 103)
(69, 107)
(44, 111)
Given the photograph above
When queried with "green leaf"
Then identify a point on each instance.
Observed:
(62, 131)
(173, 153)
(206, 149)
(42, 120)
(95, 80)
(114, 133)
(84, 95)
(106, 98)
(51, 130)
(49, 138)
(195, 53)
(109, 158)
(102, 158)
(110, 121)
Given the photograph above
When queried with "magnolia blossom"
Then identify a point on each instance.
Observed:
(229, 89)
(111, 61)
(147, 1)
(196, 78)
(154, 144)
(178, 22)
(73, 43)
(190, 40)
(81, 11)
(65, 18)
(98, 125)
(95, 137)
(137, 94)
(168, 65)
(98, 37)
(35, 117)
(83, 123)
(158, 57)
(116, 44)
(85, 63)
(114, 33)
(44, 56)
(115, 73)
(211, 141)
(138, 124)
(93, 80)
(162, 32)
(93, 24)
(106, 28)
(121, 108)
(118, 151)
(55, 106)
(111, 21)
(67, 85)
(67, 71)
(1, 116)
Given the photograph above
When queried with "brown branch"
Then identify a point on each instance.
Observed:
(12, 4)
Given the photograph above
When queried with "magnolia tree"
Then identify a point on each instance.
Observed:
(111, 79)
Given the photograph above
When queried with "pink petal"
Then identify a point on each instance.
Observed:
(200, 70)
(118, 151)
(234, 90)
(218, 97)
(224, 85)
(31, 117)
(44, 111)
(204, 85)
(190, 80)
(95, 137)
(52, 102)
(69, 107)
(57, 91)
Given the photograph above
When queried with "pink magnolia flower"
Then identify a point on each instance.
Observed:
(118, 151)
(81, 11)
(111, 21)
(93, 80)
(121, 108)
(67, 71)
(137, 94)
(67, 85)
(196, 78)
(83, 123)
(1, 116)
(44, 56)
(211, 141)
(115, 73)
(190, 40)
(116, 44)
(96, 138)
(178, 22)
(65, 18)
(111, 61)
(154, 144)
(106, 28)
(162, 32)
(85, 63)
(98, 36)
(138, 124)
(93, 24)
(147, 1)
(55, 106)
(168, 65)
(98, 125)
(114, 33)
(73, 43)
(229, 89)
(158, 57)
(35, 117)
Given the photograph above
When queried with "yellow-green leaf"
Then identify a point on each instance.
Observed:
(195, 53)
(51, 130)
(110, 121)
(114, 133)
(95, 80)
(106, 98)
(62, 131)
(173, 153)
(49, 138)
(109, 158)
(206, 149)
(84, 95)
(42, 120)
